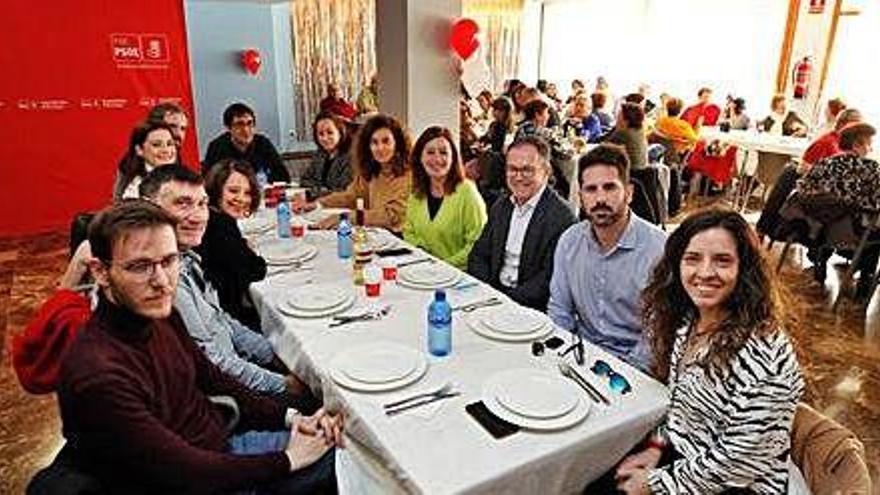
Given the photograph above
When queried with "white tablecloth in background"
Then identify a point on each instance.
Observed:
(440, 448)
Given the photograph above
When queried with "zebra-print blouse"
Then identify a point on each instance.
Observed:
(732, 430)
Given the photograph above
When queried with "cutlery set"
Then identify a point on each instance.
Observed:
(467, 308)
(367, 316)
(420, 399)
(572, 374)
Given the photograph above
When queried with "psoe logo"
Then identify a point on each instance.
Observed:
(126, 47)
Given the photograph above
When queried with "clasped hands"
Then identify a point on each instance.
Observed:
(312, 436)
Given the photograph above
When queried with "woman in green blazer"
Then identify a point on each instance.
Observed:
(444, 213)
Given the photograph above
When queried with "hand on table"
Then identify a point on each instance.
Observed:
(328, 223)
(306, 445)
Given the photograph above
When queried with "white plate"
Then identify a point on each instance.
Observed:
(379, 365)
(338, 374)
(285, 254)
(575, 416)
(518, 320)
(428, 273)
(317, 297)
(287, 310)
(257, 225)
(535, 394)
(429, 286)
(474, 323)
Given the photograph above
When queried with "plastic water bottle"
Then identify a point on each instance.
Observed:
(343, 237)
(283, 211)
(440, 325)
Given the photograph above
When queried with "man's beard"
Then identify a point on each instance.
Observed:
(603, 215)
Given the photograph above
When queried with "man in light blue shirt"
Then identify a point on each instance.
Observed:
(602, 264)
(237, 350)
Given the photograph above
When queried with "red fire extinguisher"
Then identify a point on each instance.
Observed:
(801, 77)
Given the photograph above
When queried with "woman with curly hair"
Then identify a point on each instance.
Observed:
(382, 177)
(714, 317)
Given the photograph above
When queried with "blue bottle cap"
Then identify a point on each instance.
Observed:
(440, 295)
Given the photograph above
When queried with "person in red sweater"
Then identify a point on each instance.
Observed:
(140, 403)
(337, 105)
(828, 144)
(704, 112)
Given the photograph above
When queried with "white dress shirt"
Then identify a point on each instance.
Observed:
(516, 234)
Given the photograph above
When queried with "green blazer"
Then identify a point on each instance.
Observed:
(455, 228)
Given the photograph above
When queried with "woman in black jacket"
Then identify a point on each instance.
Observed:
(230, 264)
(330, 169)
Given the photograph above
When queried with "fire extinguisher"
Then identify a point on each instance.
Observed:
(801, 77)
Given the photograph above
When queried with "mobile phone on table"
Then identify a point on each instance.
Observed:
(496, 426)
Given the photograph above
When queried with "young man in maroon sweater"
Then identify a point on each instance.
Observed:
(139, 401)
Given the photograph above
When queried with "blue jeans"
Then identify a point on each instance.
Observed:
(319, 477)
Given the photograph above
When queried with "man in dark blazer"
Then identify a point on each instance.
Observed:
(514, 253)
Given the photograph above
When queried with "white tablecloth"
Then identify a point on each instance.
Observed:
(752, 140)
(440, 448)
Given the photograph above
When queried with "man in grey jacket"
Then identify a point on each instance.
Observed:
(237, 350)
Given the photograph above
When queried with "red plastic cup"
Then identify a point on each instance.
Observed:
(389, 272)
(298, 230)
(373, 289)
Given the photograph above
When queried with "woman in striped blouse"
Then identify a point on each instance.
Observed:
(714, 317)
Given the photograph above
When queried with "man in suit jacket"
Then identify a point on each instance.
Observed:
(514, 253)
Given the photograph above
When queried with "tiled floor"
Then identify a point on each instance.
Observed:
(840, 354)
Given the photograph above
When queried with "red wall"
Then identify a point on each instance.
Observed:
(77, 76)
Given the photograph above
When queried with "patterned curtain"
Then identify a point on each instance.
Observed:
(499, 22)
(333, 41)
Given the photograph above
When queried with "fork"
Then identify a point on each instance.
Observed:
(467, 308)
(446, 388)
(413, 405)
(370, 315)
(569, 372)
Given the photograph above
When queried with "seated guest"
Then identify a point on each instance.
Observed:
(335, 104)
(602, 264)
(704, 112)
(135, 393)
(237, 350)
(716, 325)
(514, 253)
(242, 142)
(484, 101)
(536, 123)
(781, 121)
(151, 145)
(367, 101)
(381, 176)
(230, 264)
(735, 117)
(681, 134)
(445, 213)
(330, 169)
(501, 125)
(173, 115)
(828, 144)
(599, 122)
(832, 110)
(630, 134)
(579, 123)
(853, 181)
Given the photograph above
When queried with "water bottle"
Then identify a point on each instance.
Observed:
(343, 237)
(283, 211)
(440, 325)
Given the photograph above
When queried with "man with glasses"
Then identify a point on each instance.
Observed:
(242, 142)
(140, 403)
(603, 263)
(514, 253)
(237, 350)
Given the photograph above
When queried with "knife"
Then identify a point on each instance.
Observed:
(413, 405)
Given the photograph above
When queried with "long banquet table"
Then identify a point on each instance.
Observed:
(440, 448)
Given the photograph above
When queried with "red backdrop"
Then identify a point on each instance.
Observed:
(78, 75)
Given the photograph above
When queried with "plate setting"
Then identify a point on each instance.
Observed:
(428, 276)
(535, 399)
(316, 301)
(378, 367)
(508, 323)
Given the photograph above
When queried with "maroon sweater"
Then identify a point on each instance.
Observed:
(134, 404)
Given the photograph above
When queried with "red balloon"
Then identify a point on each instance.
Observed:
(463, 37)
(250, 60)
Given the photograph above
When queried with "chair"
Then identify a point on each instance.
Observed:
(831, 457)
(770, 220)
(649, 180)
(79, 229)
(641, 203)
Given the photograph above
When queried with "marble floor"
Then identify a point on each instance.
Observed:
(840, 355)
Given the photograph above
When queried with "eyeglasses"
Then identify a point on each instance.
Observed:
(578, 347)
(616, 381)
(146, 269)
(524, 172)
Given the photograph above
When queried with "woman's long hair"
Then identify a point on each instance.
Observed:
(367, 166)
(421, 182)
(344, 136)
(132, 165)
(219, 174)
(754, 306)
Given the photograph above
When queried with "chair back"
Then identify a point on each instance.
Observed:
(79, 229)
(641, 203)
(770, 220)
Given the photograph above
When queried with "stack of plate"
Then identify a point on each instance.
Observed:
(288, 253)
(535, 399)
(316, 301)
(381, 239)
(256, 226)
(510, 324)
(378, 367)
(428, 276)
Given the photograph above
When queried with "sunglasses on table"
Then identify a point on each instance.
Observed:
(576, 347)
(616, 381)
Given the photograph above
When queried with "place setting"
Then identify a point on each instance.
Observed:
(287, 254)
(378, 367)
(256, 225)
(427, 275)
(507, 322)
(535, 399)
(316, 301)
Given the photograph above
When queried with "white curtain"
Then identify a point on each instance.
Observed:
(676, 46)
